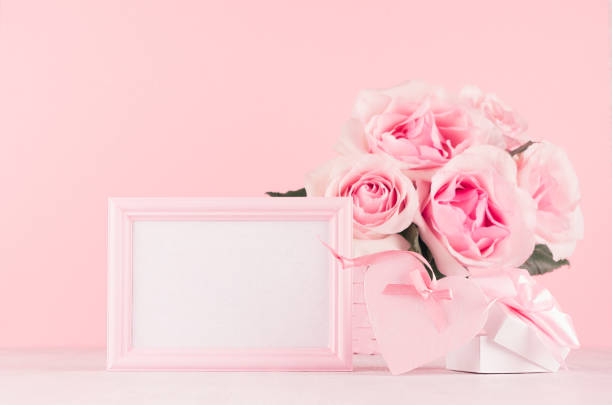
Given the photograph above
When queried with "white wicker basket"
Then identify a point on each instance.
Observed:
(364, 341)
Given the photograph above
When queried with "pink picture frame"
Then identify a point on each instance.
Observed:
(124, 214)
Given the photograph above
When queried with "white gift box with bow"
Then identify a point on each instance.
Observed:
(508, 344)
(526, 330)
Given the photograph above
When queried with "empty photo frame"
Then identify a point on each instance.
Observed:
(228, 284)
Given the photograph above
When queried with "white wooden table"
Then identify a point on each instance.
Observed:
(78, 377)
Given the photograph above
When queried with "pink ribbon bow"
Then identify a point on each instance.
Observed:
(425, 287)
(419, 283)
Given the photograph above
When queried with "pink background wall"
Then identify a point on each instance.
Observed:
(190, 98)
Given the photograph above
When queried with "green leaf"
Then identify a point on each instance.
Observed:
(293, 193)
(521, 148)
(411, 234)
(426, 253)
(541, 261)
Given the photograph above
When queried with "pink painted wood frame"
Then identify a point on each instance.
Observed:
(122, 212)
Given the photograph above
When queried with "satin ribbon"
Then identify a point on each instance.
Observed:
(419, 283)
(531, 302)
(432, 297)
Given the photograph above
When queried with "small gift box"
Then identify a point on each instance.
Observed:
(525, 332)
(507, 345)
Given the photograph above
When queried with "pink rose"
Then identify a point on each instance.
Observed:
(508, 121)
(546, 173)
(474, 214)
(384, 200)
(415, 124)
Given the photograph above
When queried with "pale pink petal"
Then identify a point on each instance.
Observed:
(362, 247)
(546, 174)
(352, 140)
(317, 181)
(370, 103)
(445, 262)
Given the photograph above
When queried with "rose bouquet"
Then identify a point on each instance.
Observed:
(456, 178)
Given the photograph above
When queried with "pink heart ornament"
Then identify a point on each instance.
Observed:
(406, 334)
